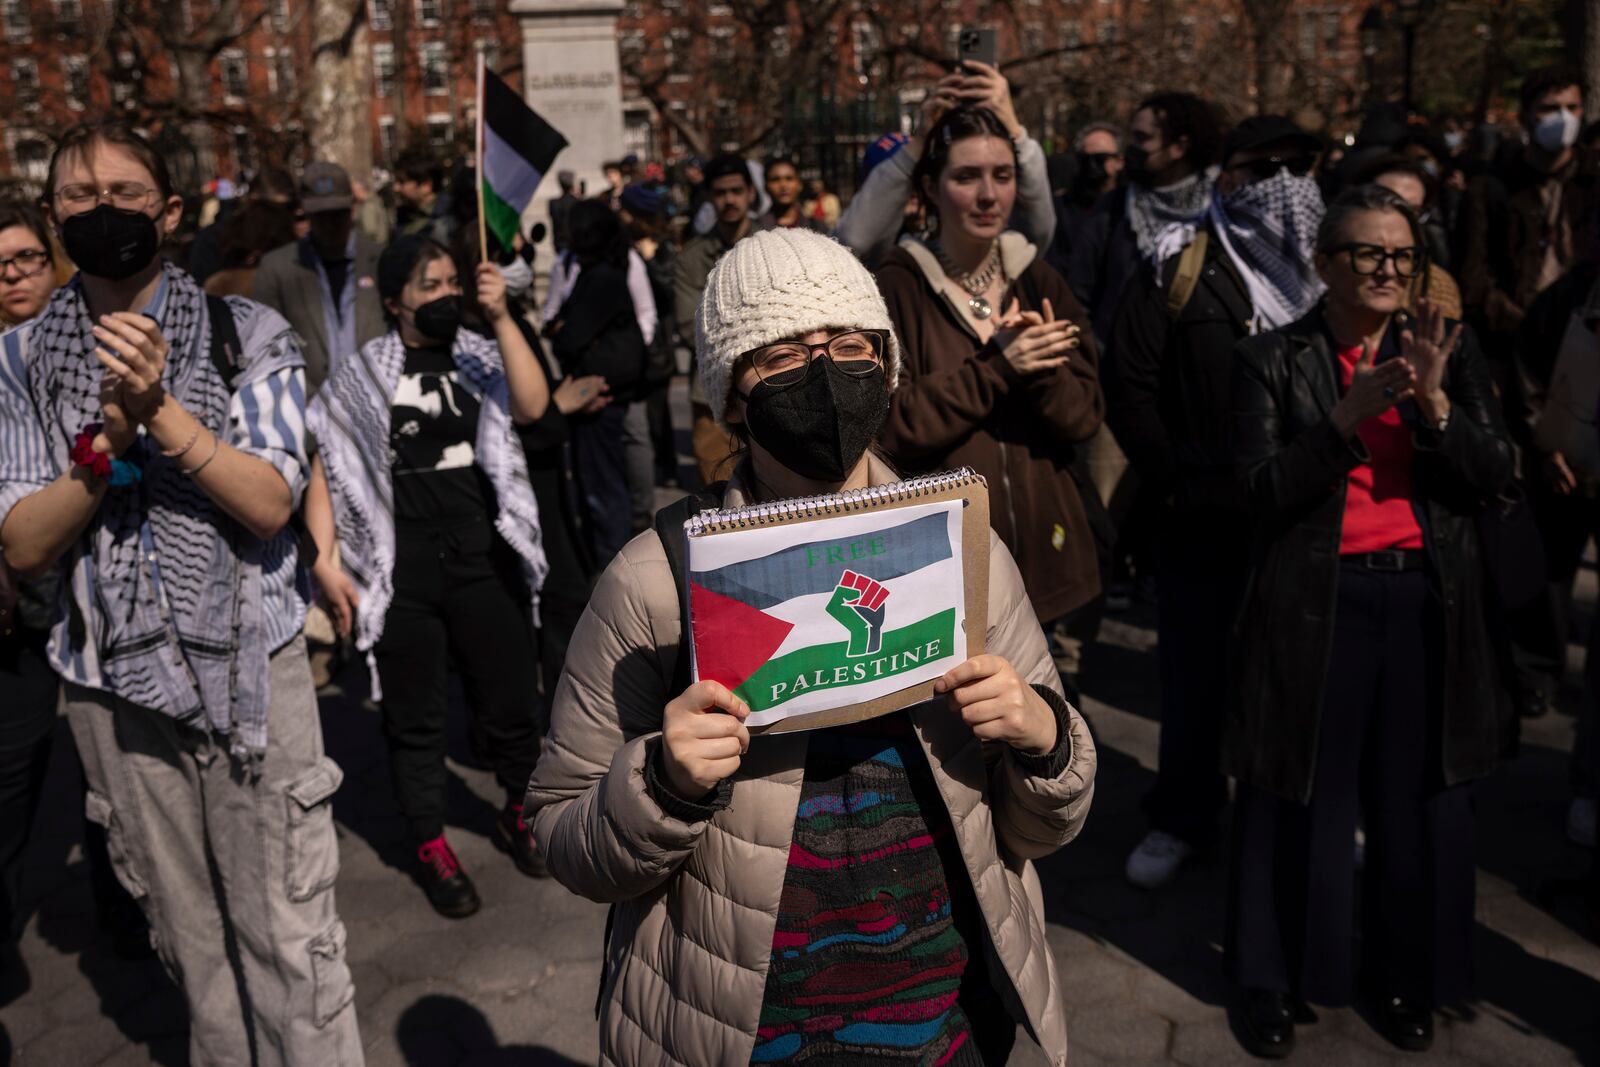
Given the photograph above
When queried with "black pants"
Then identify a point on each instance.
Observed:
(1539, 631)
(29, 690)
(459, 595)
(602, 468)
(1291, 908)
(1199, 597)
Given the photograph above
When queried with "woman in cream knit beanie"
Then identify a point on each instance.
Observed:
(847, 894)
(777, 285)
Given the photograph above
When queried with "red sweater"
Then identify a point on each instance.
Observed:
(1377, 506)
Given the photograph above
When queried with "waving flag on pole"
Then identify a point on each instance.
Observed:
(515, 150)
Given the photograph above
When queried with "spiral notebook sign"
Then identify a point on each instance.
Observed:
(815, 613)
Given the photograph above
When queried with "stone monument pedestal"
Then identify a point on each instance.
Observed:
(571, 76)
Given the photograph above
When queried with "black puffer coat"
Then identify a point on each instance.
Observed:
(1294, 466)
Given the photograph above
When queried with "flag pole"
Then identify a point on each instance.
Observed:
(483, 239)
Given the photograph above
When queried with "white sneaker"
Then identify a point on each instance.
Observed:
(1580, 821)
(1156, 859)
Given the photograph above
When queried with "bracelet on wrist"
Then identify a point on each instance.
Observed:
(174, 453)
(216, 446)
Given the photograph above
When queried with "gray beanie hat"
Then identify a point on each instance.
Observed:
(777, 285)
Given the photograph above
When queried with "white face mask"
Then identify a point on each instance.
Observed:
(1453, 139)
(1557, 131)
(518, 275)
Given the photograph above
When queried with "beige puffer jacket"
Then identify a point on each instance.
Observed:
(697, 903)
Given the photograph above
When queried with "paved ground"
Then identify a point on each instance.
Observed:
(515, 985)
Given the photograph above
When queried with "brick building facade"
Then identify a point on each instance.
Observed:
(62, 61)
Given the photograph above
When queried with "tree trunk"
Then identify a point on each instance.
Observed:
(341, 72)
(1590, 59)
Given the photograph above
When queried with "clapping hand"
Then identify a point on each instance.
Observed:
(1373, 390)
(1033, 342)
(132, 349)
(1427, 348)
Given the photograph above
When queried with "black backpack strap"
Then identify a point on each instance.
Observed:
(669, 528)
(227, 353)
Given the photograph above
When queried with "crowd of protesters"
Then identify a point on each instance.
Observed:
(1333, 406)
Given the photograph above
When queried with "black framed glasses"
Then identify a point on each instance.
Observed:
(124, 196)
(1267, 166)
(1369, 259)
(28, 262)
(856, 352)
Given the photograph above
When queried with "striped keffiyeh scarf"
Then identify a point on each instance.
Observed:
(350, 420)
(162, 565)
(1269, 231)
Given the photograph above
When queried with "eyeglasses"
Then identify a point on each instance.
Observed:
(28, 262)
(1267, 167)
(124, 196)
(1369, 259)
(858, 353)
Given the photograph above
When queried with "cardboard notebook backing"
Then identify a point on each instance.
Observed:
(964, 485)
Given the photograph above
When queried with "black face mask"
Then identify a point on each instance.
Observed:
(438, 319)
(820, 425)
(110, 243)
(1136, 164)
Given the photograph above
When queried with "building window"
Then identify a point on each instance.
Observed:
(25, 76)
(386, 137)
(69, 17)
(283, 65)
(1071, 35)
(435, 70)
(18, 26)
(75, 76)
(235, 75)
(379, 15)
(1331, 31)
(428, 12)
(124, 78)
(383, 69)
(484, 10)
(243, 149)
(721, 44)
(780, 42)
(280, 15)
(441, 131)
(30, 156)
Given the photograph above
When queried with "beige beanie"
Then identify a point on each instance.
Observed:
(777, 285)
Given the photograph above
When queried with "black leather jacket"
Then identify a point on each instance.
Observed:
(1294, 466)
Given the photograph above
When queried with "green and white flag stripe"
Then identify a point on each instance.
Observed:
(515, 150)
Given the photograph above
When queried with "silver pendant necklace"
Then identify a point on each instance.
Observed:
(977, 283)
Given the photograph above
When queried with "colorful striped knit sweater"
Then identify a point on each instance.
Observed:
(878, 952)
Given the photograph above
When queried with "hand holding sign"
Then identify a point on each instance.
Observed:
(999, 706)
(698, 747)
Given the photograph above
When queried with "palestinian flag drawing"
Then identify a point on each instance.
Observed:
(820, 615)
(515, 150)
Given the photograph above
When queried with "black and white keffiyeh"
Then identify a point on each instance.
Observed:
(165, 599)
(350, 419)
(1269, 231)
(1156, 213)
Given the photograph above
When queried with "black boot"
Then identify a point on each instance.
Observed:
(1405, 1023)
(1266, 1023)
(449, 889)
(513, 836)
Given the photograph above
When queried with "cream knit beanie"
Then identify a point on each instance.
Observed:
(776, 285)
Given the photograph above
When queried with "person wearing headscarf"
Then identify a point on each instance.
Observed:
(1246, 270)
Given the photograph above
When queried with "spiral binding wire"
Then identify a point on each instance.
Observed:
(751, 516)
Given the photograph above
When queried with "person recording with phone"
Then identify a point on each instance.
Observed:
(1365, 682)
(872, 223)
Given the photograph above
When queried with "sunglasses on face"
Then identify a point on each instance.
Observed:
(1367, 260)
(1268, 166)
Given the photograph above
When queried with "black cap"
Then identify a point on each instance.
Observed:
(1262, 131)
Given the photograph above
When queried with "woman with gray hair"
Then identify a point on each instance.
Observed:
(1367, 440)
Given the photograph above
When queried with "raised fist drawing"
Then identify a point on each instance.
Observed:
(857, 605)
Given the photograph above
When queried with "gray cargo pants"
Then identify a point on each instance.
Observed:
(215, 855)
